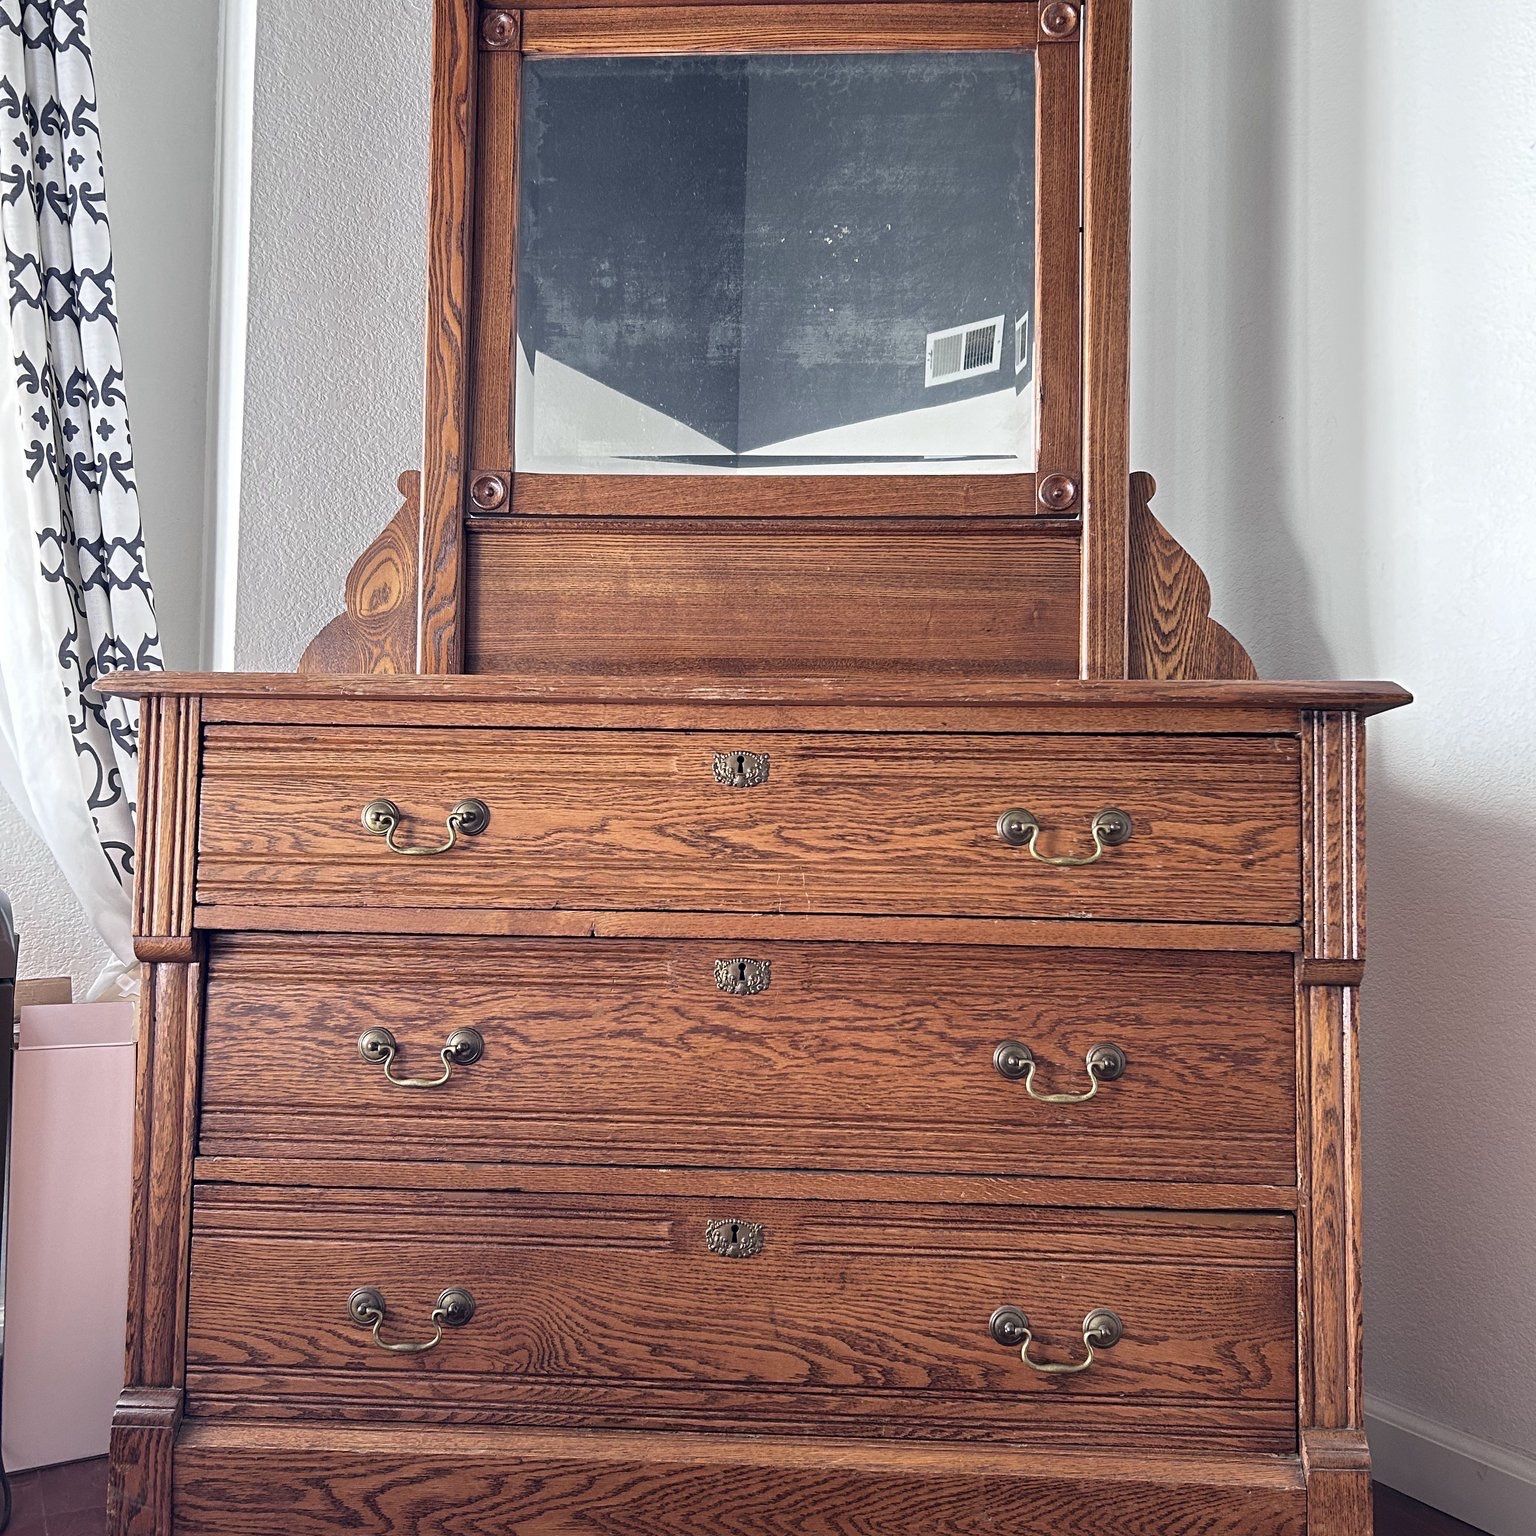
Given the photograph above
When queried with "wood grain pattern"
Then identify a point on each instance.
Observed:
(1058, 262)
(139, 1480)
(1338, 1466)
(902, 824)
(450, 244)
(857, 1056)
(1106, 32)
(1172, 634)
(493, 330)
(848, 1311)
(1025, 1186)
(315, 1480)
(887, 703)
(1334, 1292)
(1331, 973)
(166, 836)
(165, 1117)
(577, 923)
(377, 633)
(148, 1412)
(1333, 854)
(1333, 836)
(853, 28)
(729, 601)
(810, 6)
(776, 496)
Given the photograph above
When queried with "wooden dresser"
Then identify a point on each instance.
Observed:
(753, 1005)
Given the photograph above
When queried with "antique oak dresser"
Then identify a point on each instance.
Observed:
(774, 974)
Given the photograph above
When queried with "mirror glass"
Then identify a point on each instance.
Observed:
(777, 264)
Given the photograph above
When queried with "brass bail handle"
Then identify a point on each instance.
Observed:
(383, 817)
(366, 1308)
(1102, 1329)
(1106, 1064)
(463, 1048)
(1021, 829)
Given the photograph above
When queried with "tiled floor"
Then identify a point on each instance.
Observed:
(60, 1501)
(72, 1501)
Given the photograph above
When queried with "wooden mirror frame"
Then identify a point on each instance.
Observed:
(546, 31)
(1144, 606)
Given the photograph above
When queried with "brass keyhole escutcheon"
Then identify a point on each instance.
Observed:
(733, 1239)
(741, 770)
(743, 977)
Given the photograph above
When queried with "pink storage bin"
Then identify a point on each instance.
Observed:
(66, 1282)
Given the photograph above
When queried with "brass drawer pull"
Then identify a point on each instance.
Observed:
(1021, 829)
(383, 818)
(743, 978)
(454, 1309)
(741, 770)
(463, 1048)
(1106, 1064)
(1102, 1329)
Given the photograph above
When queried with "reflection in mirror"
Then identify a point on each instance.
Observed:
(777, 264)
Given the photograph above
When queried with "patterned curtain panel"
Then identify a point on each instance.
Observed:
(75, 597)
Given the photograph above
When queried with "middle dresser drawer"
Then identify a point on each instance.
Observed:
(812, 1316)
(1147, 828)
(870, 1056)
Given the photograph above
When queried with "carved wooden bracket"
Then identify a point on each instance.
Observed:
(377, 633)
(1172, 634)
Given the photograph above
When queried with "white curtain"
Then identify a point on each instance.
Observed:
(75, 596)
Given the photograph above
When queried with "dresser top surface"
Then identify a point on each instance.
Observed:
(853, 694)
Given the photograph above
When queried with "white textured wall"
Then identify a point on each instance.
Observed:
(1335, 384)
(338, 277)
(155, 73)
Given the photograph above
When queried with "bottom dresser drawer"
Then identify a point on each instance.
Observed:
(315, 1481)
(812, 1317)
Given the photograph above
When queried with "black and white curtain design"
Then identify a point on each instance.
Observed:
(75, 597)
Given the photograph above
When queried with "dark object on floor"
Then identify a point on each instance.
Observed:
(1398, 1515)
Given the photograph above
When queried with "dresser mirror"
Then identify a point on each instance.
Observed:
(777, 264)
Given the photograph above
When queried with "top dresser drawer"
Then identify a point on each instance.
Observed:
(770, 822)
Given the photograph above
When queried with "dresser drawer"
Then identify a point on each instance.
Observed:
(808, 1316)
(592, 819)
(788, 1055)
(268, 1480)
